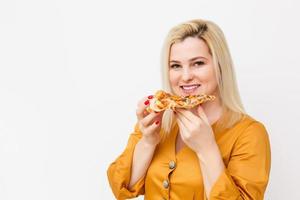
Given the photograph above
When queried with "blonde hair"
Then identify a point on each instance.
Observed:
(213, 36)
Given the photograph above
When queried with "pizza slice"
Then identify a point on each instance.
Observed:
(163, 100)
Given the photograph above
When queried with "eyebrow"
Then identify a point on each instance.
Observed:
(192, 59)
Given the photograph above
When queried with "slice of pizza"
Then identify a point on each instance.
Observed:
(163, 100)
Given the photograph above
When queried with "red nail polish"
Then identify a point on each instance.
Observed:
(146, 102)
(157, 122)
(150, 97)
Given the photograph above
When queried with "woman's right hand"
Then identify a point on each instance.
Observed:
(149, 123)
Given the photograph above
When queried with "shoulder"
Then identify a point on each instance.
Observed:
(248, 123)
(250, 129)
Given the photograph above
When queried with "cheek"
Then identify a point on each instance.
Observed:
(211, 80)
(208, 79)
(173, 78)
(209, 75)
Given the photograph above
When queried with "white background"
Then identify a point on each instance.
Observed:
(71, 73)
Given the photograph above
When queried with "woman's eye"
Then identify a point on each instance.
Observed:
(175, 66)
(199, 63)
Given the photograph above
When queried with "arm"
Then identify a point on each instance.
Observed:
(211, 165)
(149, 125)
(119, 171)
(247, 173)
(142, 157)
(126, 173)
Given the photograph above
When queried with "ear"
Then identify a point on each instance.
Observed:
(202, 114)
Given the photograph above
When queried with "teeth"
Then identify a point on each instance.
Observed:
(189, 87)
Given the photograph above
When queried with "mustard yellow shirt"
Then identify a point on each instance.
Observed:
(245, 151)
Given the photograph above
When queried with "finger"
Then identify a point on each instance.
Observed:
(150, 118)
(141, 109)
(182, 127)
(154, 127)
(188, 115)
(183, 119)
(202, 114)
(194, 111)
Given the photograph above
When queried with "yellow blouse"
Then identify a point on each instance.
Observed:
(246, 154)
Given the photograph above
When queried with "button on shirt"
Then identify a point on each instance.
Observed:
(172, 164)
(166, 184)
(178, 176)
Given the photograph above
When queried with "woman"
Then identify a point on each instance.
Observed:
(214, 151)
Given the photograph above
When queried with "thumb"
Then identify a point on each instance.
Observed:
(202, 114)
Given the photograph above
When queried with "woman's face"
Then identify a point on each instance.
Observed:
(191, 69)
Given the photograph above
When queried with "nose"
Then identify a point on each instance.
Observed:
(187, 74)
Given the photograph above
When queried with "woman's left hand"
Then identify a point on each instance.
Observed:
(195, 129)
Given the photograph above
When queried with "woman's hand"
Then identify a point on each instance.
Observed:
(149, 123)
(195, 129)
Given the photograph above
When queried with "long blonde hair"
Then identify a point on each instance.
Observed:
(210, 33)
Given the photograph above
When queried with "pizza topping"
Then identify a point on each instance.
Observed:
(163, 100)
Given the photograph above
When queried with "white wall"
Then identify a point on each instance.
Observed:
(71, 73)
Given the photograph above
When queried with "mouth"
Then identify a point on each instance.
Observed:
(189, 89)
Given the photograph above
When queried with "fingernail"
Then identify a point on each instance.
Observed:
(157, 122)
(146, 102)
(150, 96)
(156, 112)
(174, 112)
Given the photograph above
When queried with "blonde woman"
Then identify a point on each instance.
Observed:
(214, 151)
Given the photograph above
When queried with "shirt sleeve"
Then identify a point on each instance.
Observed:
(247, 173)
(119, 171)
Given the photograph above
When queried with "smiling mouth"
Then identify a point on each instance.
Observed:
(188, 89)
